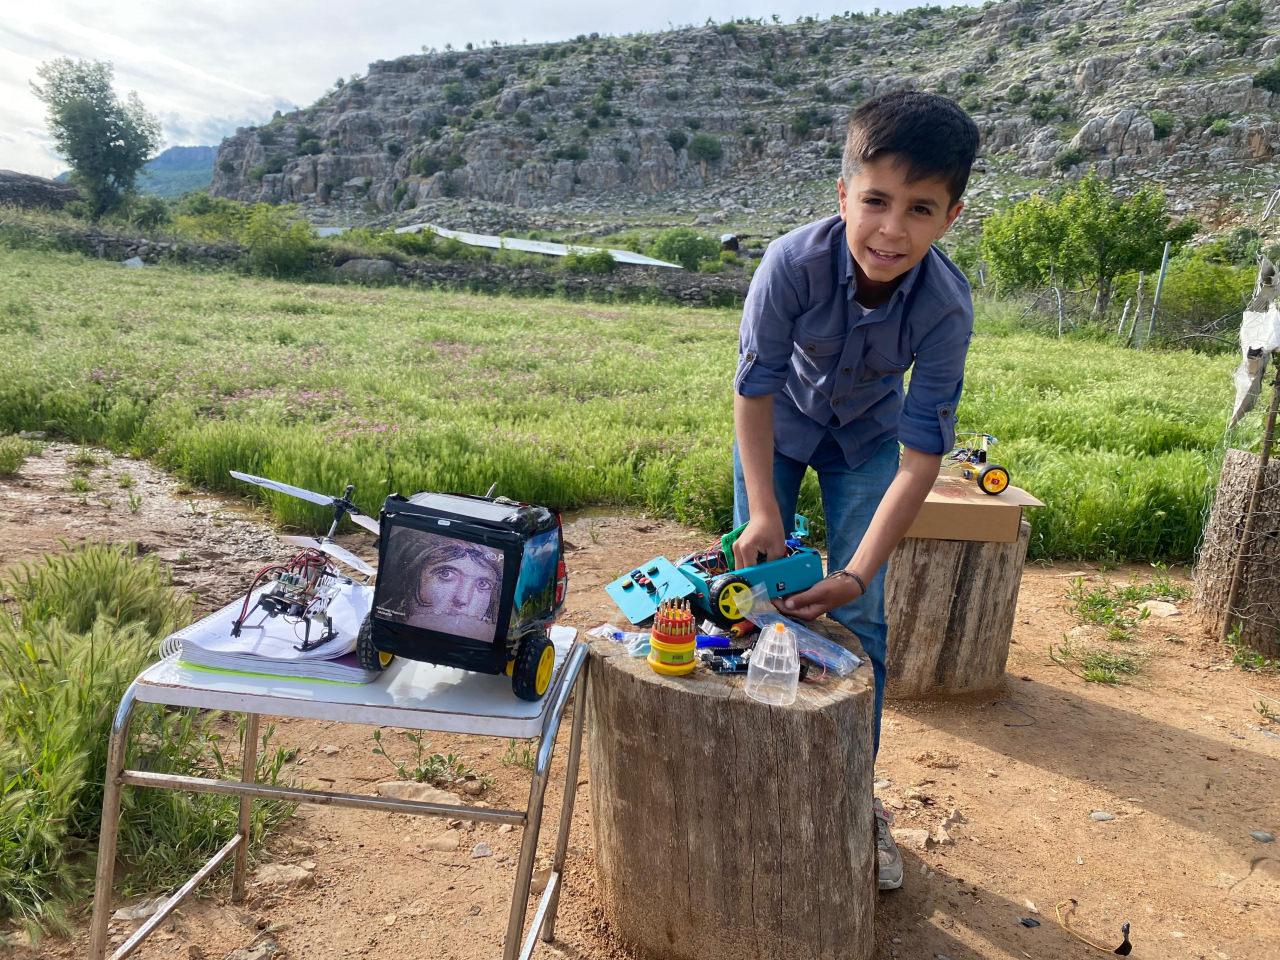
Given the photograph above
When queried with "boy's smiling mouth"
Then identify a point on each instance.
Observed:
(885, 256)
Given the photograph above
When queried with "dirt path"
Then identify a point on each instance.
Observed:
(1180, 758)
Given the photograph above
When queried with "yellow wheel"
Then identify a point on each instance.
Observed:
(535, 662)
(546, 666)
(369, 656)
(731, 596)
(993, 479)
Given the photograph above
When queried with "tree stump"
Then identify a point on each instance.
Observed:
(950, 607)
(1257, 606)
(727, 828)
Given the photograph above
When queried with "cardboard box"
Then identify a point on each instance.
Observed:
(956, 509)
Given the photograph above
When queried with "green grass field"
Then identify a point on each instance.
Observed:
(563, 403)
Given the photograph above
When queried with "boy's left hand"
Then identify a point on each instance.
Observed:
(823, 596)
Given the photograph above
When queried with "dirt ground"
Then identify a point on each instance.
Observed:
(1181, 758)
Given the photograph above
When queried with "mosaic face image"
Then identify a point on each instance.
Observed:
(438, 583)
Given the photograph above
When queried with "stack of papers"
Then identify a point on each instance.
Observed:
(270, 644)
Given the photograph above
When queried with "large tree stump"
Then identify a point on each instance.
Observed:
(950, 607)
(726, 828)
(1257, 606)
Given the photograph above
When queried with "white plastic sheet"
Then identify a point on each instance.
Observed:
(1259, 341)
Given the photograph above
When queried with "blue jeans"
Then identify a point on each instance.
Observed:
(849, 501)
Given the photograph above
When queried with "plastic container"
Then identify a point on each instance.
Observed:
(773, 672)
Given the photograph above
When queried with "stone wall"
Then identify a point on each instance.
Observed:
(625, 283)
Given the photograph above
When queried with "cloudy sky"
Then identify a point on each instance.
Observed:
(206, 68)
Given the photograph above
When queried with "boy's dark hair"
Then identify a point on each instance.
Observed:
(929, 133)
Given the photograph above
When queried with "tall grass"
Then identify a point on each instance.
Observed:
(84, 625)
(564, 403)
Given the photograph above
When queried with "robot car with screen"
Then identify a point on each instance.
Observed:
(469, 582)
(462, 581)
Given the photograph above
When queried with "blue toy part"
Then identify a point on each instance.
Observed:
(721, 598)
(639, 592)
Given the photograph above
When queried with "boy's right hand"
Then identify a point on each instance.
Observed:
(764, 539)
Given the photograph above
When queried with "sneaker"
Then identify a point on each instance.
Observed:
(888, 859)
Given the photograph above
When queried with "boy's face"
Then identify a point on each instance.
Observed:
(890, 223)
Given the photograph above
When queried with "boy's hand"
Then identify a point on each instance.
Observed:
(823, 596)
(763, 540)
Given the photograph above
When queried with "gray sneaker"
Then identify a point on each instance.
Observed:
(888, 859)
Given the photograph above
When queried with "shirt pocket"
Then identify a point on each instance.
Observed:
(876, 365)
(817, 356)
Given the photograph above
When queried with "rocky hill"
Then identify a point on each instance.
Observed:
(743, 122)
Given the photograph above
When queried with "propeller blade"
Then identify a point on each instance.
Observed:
(367, 522)
(341, 554)
(284, 488)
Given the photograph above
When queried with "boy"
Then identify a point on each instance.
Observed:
(836, 313)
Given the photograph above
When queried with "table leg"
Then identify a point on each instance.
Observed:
(105, 875)
(248, 774)
(528, 850)
(566, 807)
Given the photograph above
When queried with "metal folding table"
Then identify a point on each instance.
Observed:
(413, 695)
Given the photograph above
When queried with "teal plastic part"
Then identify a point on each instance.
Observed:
(639, 604)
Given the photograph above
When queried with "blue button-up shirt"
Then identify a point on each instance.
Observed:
(835, 368)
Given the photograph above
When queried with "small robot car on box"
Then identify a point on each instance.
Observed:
(973, 463)
(469, 582)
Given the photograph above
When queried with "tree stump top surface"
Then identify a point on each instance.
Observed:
(703, 683)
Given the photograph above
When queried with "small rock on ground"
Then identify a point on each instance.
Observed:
(282, 875)
(1101, 816)
(412, 790)
(1262, 836)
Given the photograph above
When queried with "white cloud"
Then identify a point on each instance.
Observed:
(206, 68)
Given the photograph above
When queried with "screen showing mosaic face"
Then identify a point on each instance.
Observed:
(438, 583)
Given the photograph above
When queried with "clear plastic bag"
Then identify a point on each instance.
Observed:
(809, 643)
(637, 644)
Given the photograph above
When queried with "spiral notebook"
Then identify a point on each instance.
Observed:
(269, 645)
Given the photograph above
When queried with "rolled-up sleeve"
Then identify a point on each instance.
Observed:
(928, 422)
(765, 340)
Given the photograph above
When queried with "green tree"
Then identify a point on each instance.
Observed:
(705, 148)
(105, 140)
(684, 246)
(1084, 239)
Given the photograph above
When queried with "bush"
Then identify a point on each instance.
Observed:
(418, 244)
(309, 148)
(597, 261)
(277, 246)
(13, 451)
(1163, 121)
(273, 165)
(573, 151)
(677, 139)
(1068, 157)
(1219, 128)
(684, 246)
(202, 217)
(705, 148)
(1016, 93)
(425, 166)
(87, 623)
(805, 121)
(147, 212)
(1197, 291)
(1269, 79)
